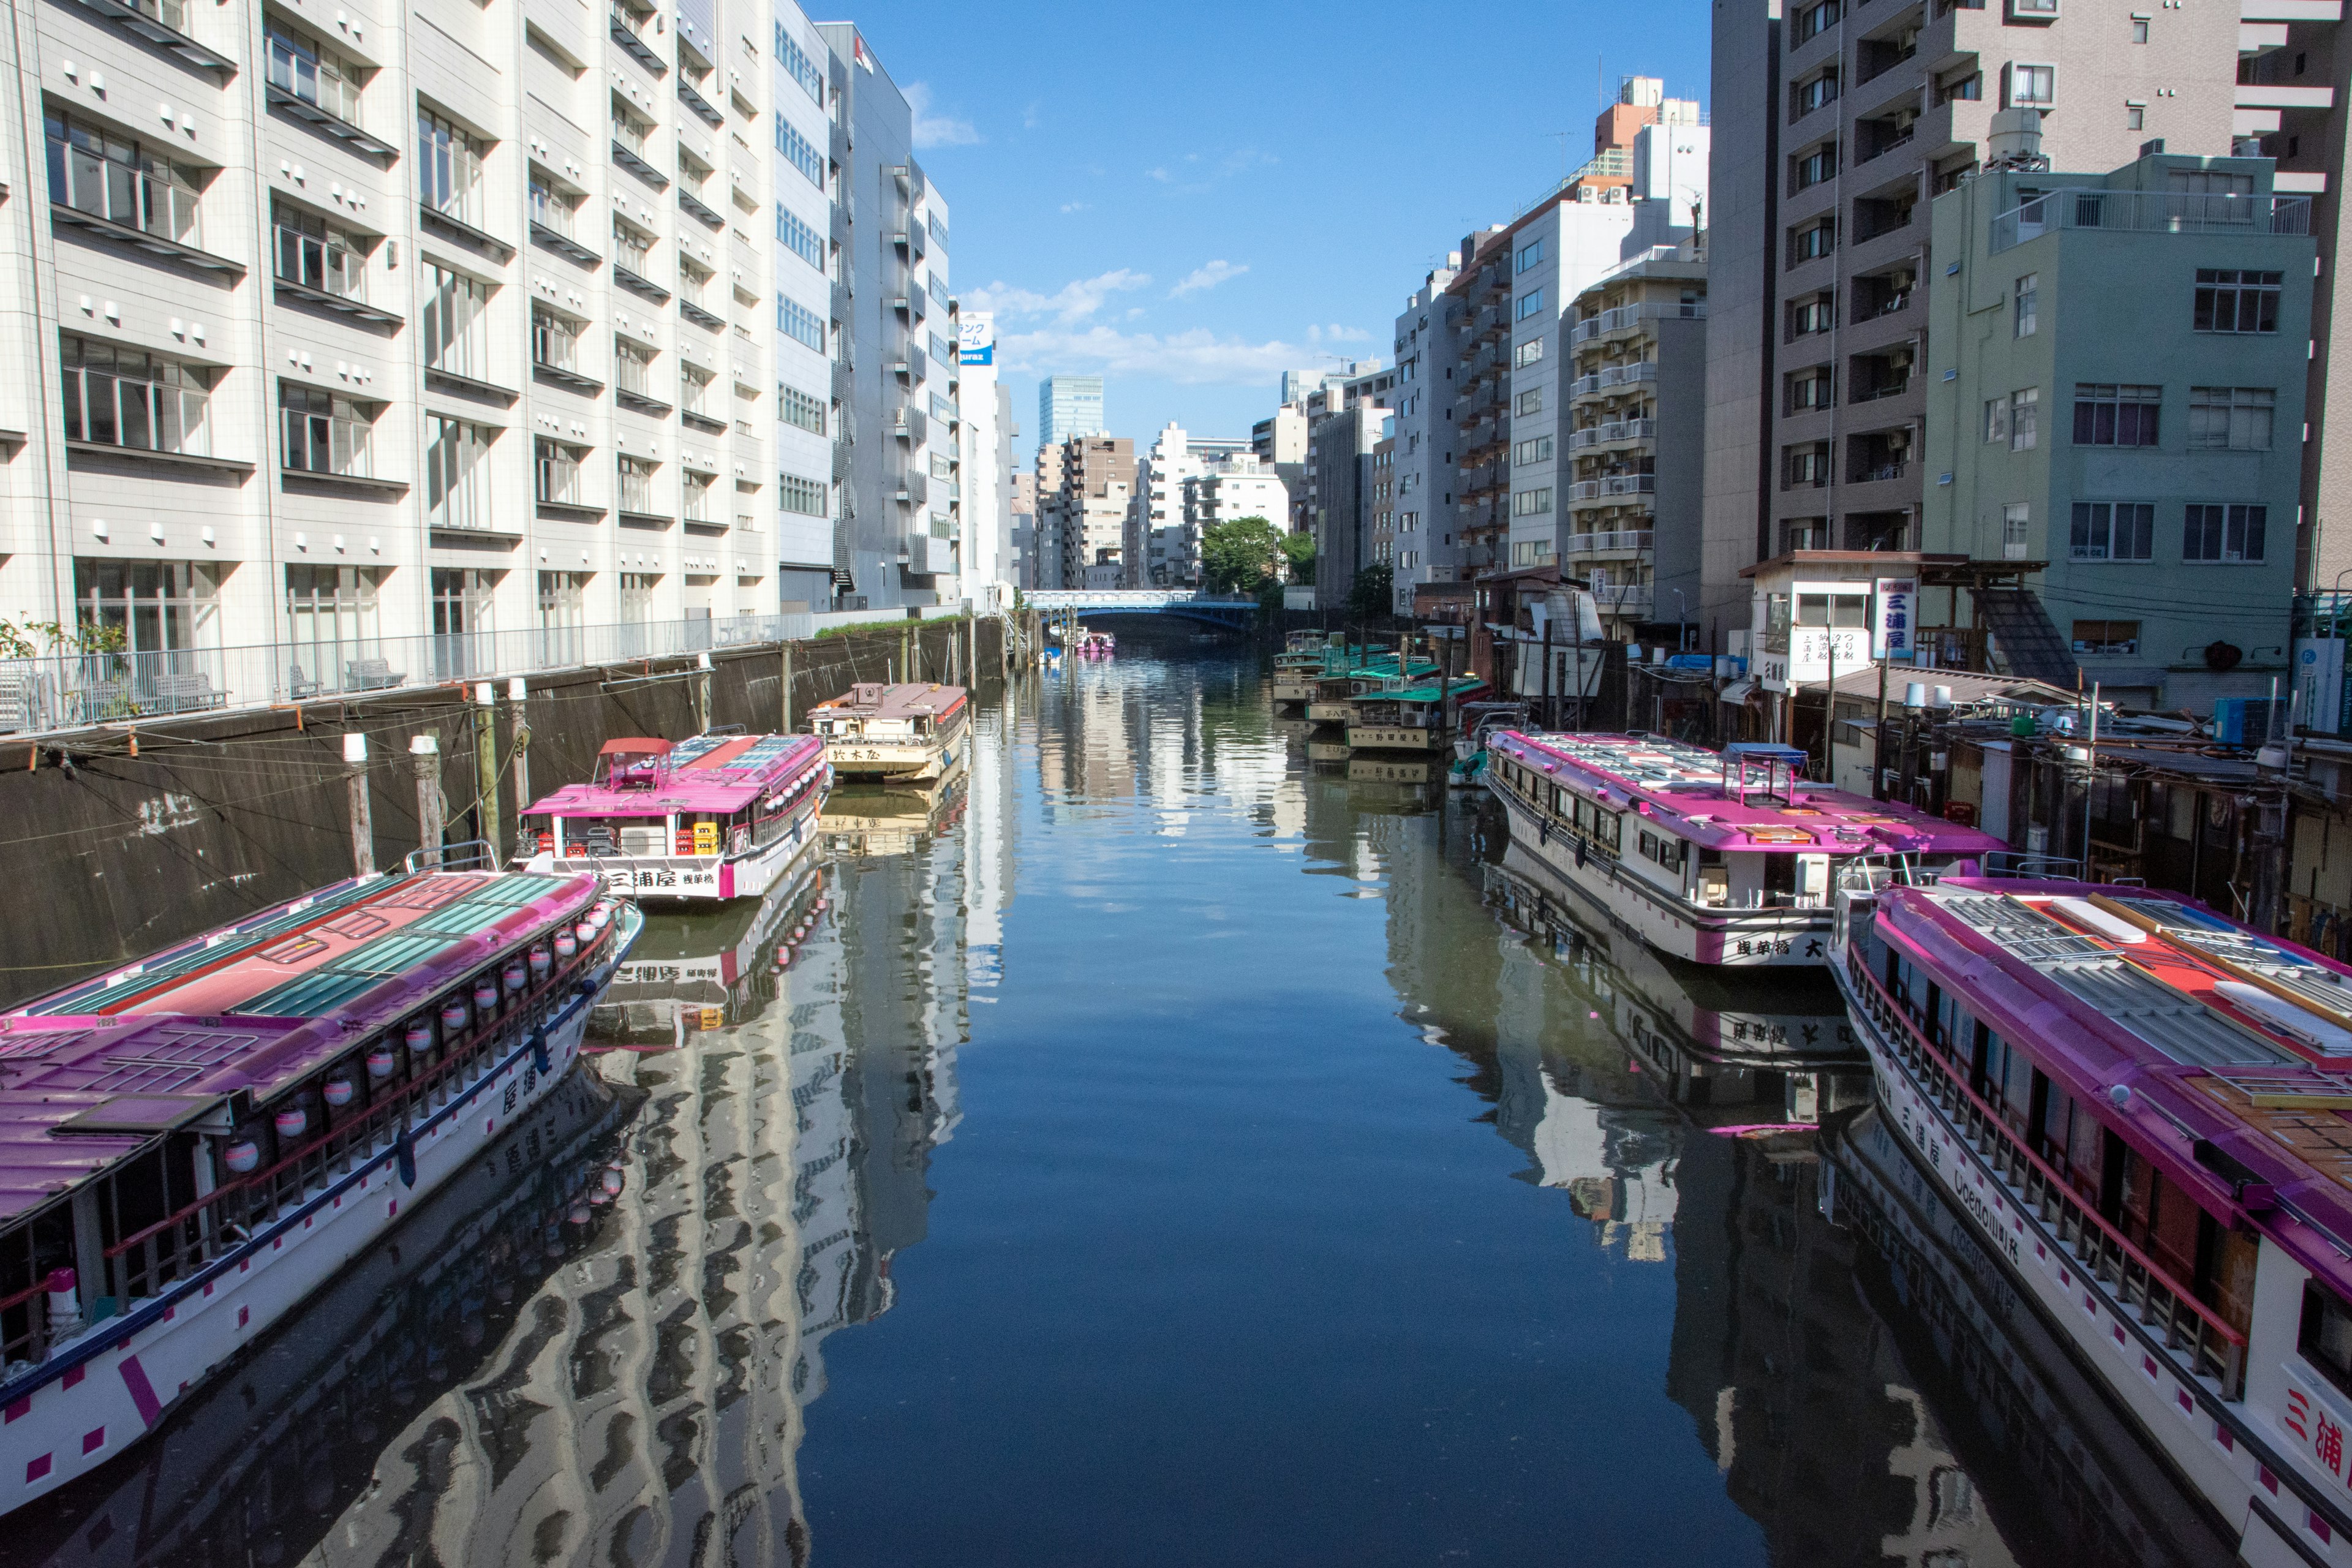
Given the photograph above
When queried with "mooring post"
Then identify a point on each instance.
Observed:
(485, 760)
(518, 729)
(362, 821)
(424, 752)
(787, 727)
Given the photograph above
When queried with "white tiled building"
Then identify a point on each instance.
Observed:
(328, 326)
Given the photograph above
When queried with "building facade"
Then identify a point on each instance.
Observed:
(1069, 406)
(1339, 479)
(1084, 486)
(1426, 356)
(2125, 403)
(381, 344)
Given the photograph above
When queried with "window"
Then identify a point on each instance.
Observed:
(562, 611)
(800, 238)
(2028, 303)
(314, 254)
(632, 251)
(797, 407)
(334, 614)
(2325, 1338)
(633, 368)
(798, 66)
(1527, 354)
(122, 397)
(943, 408)
(2112, 530)
(2116, 416)
(455, 323)
(2231, 418)
(1813, 241)
(554, 342)
(694, 388)
(1812, 21)
(1531, 503)
(450, 168)
(636, 477)
(2231, 301)
(2135, 117)
(1811, 389)
(1815, 166)
(1807, 467)
(455, 483)
(938, 290)
(939, 229)
(1818, 93)
(115, 178)
(157, 605)
(550, 208)
(2016, 518)
(797, 321)
(1817, 315)
(2223, 533)
(321, 432)
(1996, 419)
(2033, 87)
(1967, 87)
(1529, 304)
(798, 150)
(638, 596)
(1530, 401)
(697, 496)
(2025, 419)
(795, 494)
(2140, 29)
(1535, 451)
(299, 66)
(555, 477)
(1530, 254)
(2107, 637)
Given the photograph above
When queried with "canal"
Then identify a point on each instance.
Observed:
(1156, 1145)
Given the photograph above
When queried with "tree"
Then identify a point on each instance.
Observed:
(1374, 598)
(1238, 556)
(1298, 550)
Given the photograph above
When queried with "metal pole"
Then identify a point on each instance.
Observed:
(2090, 778)
(519, 743)
(787, 727)
(424, 753)
(1878, 741)
(362, 821)
(1829, 718)
(1551, 720)
(486, 759)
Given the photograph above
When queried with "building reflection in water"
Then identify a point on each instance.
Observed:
(602, 1345)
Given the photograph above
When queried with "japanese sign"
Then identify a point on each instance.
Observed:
(2315, 1428)
(1894, 617)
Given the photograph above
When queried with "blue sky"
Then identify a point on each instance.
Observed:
(1190, 200)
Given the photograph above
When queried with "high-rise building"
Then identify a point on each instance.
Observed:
(1084, 483)
(1069, 406)
(394, 349)
(1426, 352)
(983, 480)
(1840, 124)
(1341, 480)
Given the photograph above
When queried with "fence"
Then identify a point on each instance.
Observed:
(66, 691)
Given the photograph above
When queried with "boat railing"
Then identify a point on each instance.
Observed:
(468, 855)
(2033, 866)
(2212, 1348)
(142, 1263)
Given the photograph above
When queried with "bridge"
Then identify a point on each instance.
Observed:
(1216, 611)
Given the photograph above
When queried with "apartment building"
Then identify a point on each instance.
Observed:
(1426, 353)
(1162, 545)
(1341, 484)
(986, 465)
(1632, 434)
(1084, 486)
(1226, 489)
(1364, 383)
(427, 321)
(1842, 117)
(2126, 405)
(1069, 406)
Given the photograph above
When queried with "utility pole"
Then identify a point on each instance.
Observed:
(424, 753)
(787, 727)
(362, 821)
(1551, 718)
(518, 730)
(485, 760)
(1878, 741)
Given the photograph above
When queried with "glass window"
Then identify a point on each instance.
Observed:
(157, 606)
(455, 483)
(799, 237)
(2033, 87)
(1531, 400)
(798, 66)
(333, 616)
(1538, 450)
(2326, 1340)
(321, 432)
(1529, 304)
(314, 254)
(115, 395)
(638, 596)
(1531, 503)
(1528, 352)
(797, 321)
(2024, 419)
(1996, 419)
(2236, 300)
(633, 367)
(800, 153)
(1530, 254)
(637, 478)
(2107, 637)
(2231, 418)
(805, 496)
(2016, 522)
(2116, 415)
(554, 342)
(556, 473)
(318, 75)
(455, 323)
(2224, 534)
(2028, 292)
(450, 168)
(797, 407)
(1813, 241)
(2112, 530)
(1817, 165)
(120, 179)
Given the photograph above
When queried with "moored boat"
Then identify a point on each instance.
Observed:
(1713, 857)
(1300, 663)
(2139, 1106)
(1415, 717)
(911, 731)
(192, 1144)
(1333, 701)
(716, 817)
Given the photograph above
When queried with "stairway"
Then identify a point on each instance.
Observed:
(2028, 641)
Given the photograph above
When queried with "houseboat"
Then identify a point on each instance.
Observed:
(1300, 664)
(1712, 857)
(1333, 701)
(908, 731)
(710, 968)
(192, 1144)
(716, 817)
(1417, 718)
(2139, 1105)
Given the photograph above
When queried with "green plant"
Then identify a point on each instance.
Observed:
(1298, 551)
(1372, 596)
(1236, 556)
(83, 636)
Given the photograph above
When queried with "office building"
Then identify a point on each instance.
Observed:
(1840, 122)
(1226, 489)
(983, 484)
(1426, 352)
(2126, 405)
(1084, 485)
(1341, 483)
(379, 347)
(1162, 546)
(1069, 406)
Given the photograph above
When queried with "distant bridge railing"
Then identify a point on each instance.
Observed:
(1141, 602)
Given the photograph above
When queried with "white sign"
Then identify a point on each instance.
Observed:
(1808, 657)
(1894, 617)
(976, 339)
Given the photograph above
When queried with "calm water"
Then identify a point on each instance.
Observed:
(1162, 1148)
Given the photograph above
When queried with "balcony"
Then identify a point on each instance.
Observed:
(2152, 212)
(914, 488)
(1620, 542)
(696, 208)
(448, 224)
(626, 32)
(1620, 430)
(637, 282)
(910, 425)
(1624, 601)
(113, 200)
(630, 142)
(701, 107)
(163, 23)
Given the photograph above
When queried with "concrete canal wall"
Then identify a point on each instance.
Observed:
(118, 840)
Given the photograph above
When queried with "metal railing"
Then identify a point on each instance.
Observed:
(59, 691)
(2213, 1349)
(2151, 212)
(1618, 539)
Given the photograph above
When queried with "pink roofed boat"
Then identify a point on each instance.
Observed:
(1716, 858)
(190, 1146)
(2144, 1111)
(716, 817)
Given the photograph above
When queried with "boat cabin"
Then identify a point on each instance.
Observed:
(910, 712)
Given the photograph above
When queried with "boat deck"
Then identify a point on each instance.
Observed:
(114, 1060)
(906, 700)
(719, 774)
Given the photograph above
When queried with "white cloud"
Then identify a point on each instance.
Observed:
(1336, 333)
(1197, 357)
(937, 129)
(1208, 277)
(1070, 303)
(1076, 206)
(1029, 117)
